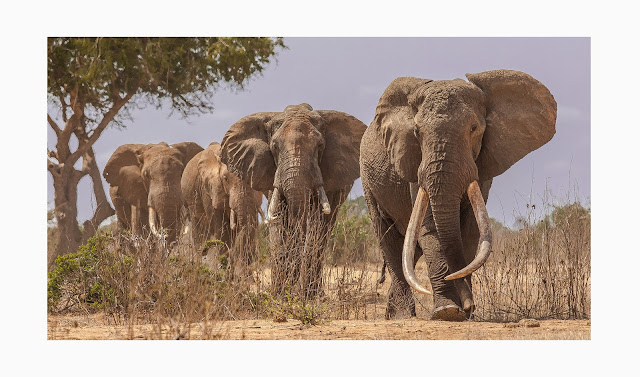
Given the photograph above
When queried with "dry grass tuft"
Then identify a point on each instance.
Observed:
(541, 270)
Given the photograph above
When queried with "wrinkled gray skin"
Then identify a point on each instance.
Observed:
(144, 177)
(293, 155)
(441, 136)
(211, 193)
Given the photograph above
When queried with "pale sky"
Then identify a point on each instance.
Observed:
(350, 75)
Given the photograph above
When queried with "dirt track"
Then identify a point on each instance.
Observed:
(95, 327)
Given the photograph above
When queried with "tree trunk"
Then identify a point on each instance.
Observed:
(68, 236)
(103, 208)
(65, 178)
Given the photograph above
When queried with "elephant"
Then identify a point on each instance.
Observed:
(427, 162)
(144, 187)
(306, 161)
(219, 204)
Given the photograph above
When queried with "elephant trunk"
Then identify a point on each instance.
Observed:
(164, 211)
(299, 180)
(444, 193)
(484, 225)
(232, 219)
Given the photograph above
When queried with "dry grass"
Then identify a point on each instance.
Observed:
(540, 271)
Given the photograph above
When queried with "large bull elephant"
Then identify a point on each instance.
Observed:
(306, 160)
(220, 205)
(145, 186)
(427, 163)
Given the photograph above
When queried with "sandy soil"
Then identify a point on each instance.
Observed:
(97, 327)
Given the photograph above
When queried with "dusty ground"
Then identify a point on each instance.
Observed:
(372, 299)
(96, 327)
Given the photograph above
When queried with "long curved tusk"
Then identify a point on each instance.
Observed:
(484, 225)
(232, 219)
(273, 205)
(264, 219)
(326, 208)
(409, 247)
(413, 189)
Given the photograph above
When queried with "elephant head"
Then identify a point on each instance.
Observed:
(148, 178)
(229, 193)
(448, 136)
(299, 154)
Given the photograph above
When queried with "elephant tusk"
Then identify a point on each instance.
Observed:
(326, 208)
(232, 219)
(484, 225)
(409, 247)
(273, 205)
(264, 219)
(152, 222)
(413, 189)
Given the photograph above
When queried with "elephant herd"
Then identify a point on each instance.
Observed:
(427, 161)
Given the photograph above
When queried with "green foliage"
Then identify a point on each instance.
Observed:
(184, 70)
(111, 273)
(76, 276)
(573, 213)
(309, 312)
(264, 246)
(352, 236)
(208, 244)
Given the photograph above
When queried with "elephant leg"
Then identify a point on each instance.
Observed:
(446, 300)
(283, 268)
(136, 220)
(470, 237)
(448, 295)
(400, 301)
(318, 232)
(219, 230)
(199, 230)
(314, 258)
(122, 208)
(123, 213)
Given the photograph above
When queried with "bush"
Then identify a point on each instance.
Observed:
(352, 237)
(542, 270)
(79, 277)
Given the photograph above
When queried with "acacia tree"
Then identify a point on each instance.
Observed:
(93, 83)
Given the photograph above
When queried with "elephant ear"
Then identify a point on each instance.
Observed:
(340, 164)
(188, 149)
(211, 162)
(124, 155)
(521, 117)
(246, 152)
(394, 120)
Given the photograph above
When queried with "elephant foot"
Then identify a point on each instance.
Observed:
(449, 313)
(399, 311)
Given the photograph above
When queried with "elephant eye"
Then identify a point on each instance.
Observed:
(415, 131)
(474, 127)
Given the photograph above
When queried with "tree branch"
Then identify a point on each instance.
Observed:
(64, 108)
(53, 167)
(52, 154)
(106, 119)
(77, 175)
(104, 209)
(71, 124)
(54, 125)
